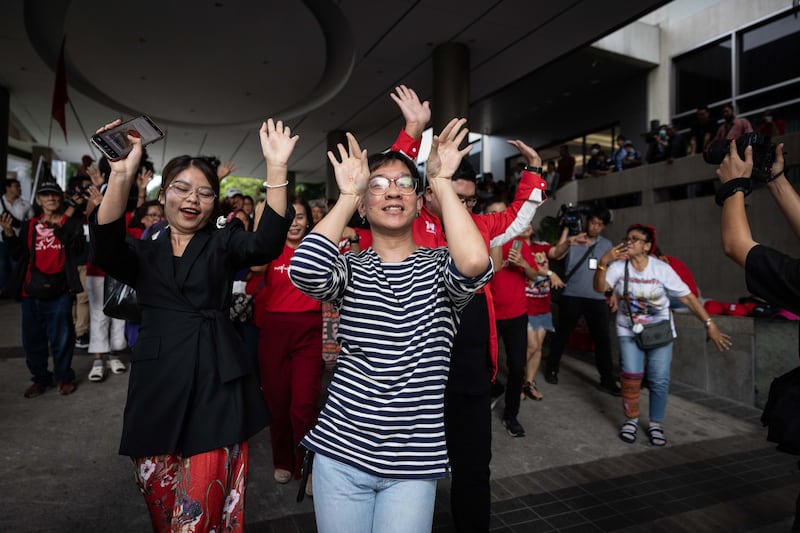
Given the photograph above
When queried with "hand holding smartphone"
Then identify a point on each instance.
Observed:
(113, 143)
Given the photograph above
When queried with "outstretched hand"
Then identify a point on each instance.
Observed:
(129, 164)
(445, 156)
(416, 114)
(530, 155)
(277, 143)
(225, 168)
(352, 172)
(733, 167)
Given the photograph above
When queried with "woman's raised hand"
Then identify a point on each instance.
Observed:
(445, 156)
(352, 172)
(277, 143)
(128, 165)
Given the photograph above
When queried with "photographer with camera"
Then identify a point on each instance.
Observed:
(770, 274)
(579, 298)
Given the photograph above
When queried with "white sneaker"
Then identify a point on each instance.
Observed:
(116, 365)
(98, 371)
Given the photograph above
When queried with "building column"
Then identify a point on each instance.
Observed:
(5, 118)
(450, 84)
(333, 138)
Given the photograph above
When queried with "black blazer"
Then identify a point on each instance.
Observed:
(192, 387)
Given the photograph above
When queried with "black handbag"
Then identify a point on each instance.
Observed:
(119, 301)
(653, 335)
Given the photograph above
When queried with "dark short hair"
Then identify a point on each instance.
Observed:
(648, 232)
(599, 212)
(376, 161)
(465, 171)
(104, 167)
(704, 108)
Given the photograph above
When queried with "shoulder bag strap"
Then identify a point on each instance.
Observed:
(625, 293)
(579, 263)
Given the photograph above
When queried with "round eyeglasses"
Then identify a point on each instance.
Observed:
(184, 190)
(380, 184)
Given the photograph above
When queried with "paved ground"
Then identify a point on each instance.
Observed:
(59, 471)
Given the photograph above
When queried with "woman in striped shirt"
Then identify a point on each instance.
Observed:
(379, 441)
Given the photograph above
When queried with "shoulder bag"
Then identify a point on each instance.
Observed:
(648, 336)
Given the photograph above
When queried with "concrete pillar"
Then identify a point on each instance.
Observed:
(333, 138)
(4, 127)
(450, 84)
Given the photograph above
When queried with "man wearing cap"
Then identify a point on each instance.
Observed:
(235, 198)
(46, 249)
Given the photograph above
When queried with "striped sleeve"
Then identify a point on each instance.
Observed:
(318, 270)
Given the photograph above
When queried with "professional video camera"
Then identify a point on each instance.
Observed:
(571, 216)
(763, 153)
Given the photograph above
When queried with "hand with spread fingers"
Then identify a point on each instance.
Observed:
(352, 172)
(445, 155)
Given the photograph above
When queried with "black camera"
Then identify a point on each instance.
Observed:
(763, 153)
(571, 217)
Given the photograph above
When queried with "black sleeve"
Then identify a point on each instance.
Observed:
(773, 276)
(71, 236)
(111, 251)
(263, 245)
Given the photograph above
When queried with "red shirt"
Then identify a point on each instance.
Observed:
(279, 294)
(508, 287)
(50, 256)
(537, 291)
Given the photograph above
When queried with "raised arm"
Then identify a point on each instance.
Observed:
(277, 144)
(737, 240)
(352, 176)
(123, 174)
(468, 251)
(785, 195)
(416, 114)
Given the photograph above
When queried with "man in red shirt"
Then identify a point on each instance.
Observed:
(733, 127)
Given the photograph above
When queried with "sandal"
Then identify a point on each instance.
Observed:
(97, 373)
(628, 431)
(530, 391)
(656, 435)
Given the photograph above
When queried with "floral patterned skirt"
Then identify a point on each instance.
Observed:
(197, 494)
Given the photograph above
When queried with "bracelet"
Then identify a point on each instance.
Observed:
(774, 176)
(284, 184)
(730, 188)
(602, 267)
(535, 170)
(709, 322)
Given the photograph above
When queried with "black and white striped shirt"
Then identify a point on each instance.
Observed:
(385, 410)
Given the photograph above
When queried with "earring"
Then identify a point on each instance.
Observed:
(363, 219)
(417, 214)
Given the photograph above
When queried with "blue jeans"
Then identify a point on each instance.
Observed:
(43, 322)
(349, 500)
(658, 362)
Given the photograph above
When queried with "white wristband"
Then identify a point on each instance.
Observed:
(284, 184)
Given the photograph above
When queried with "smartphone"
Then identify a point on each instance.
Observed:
(517, 245)
(114, 142)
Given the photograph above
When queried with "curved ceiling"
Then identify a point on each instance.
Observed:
(210, 71)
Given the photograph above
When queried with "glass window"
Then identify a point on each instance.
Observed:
(703, 76)
(768, 54)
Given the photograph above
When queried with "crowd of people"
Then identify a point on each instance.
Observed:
(240, 301)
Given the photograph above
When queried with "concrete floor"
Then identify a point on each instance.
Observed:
(60, 472)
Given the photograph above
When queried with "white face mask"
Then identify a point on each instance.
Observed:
(594, 151)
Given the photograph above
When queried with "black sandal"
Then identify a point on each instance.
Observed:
(628, 431)
(656, 435)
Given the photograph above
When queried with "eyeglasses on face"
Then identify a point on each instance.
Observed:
(380, 184)
(184, 190)
(153, 215)
(468, 201)
(635, 239)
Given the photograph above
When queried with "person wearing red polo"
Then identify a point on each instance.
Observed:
(289, 353)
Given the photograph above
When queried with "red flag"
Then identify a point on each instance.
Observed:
(60, 97)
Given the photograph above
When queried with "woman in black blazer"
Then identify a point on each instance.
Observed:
(193, 397)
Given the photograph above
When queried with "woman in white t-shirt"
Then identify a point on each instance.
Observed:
(643, 299)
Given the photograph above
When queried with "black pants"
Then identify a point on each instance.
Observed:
(468, 419)
(514, 332)
(596, 314)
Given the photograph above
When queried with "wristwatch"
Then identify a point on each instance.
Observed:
(535, 170)
(549, 273)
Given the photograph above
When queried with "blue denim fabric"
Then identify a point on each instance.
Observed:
(47, 328)
(348, 500)
(658, 363)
